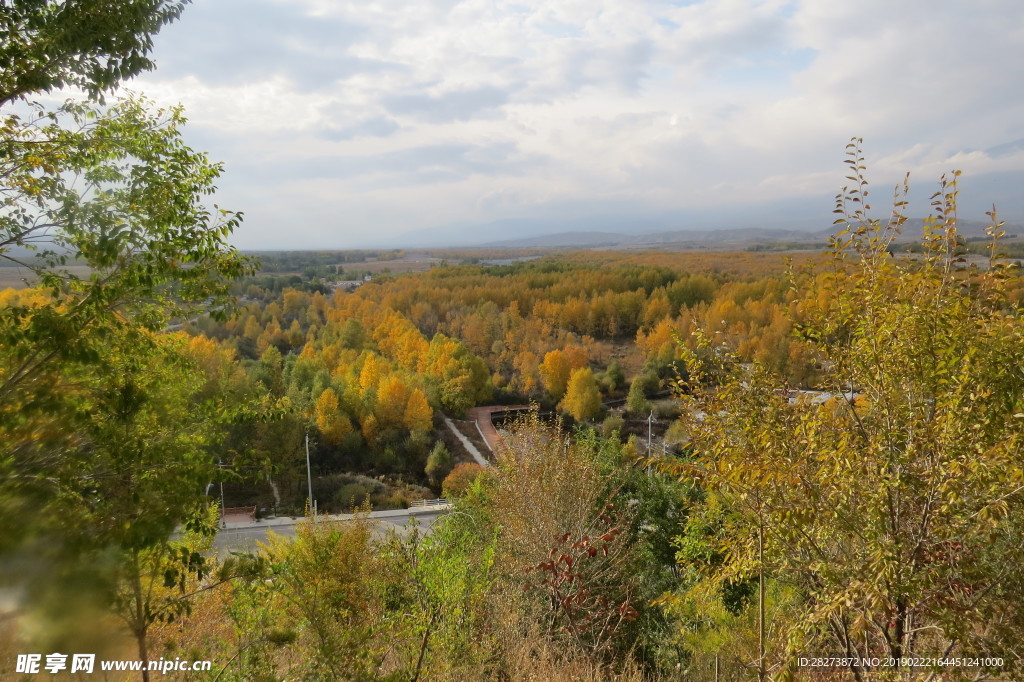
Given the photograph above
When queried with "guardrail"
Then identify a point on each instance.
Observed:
(428, 503)
(239, 511)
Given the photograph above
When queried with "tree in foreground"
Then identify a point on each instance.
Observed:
(104, 433)
(892, 510)
(91, 44)
(543, 569)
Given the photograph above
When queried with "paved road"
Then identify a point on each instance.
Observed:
(244, 537)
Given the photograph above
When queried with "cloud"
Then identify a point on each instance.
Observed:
(707, 37)
(458, 105)
(381, 126)
(405, 114)
(1006, 148)
(426, 164)
(620, 67)
(231, 42)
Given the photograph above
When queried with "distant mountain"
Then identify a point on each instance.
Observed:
(970, 229)
(591, 240)
(611, 230)
(735, 235)
(512, 229)
(724, 238)
(628, 224)
(588, 240)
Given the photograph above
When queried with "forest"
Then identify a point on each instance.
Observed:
(761, 526)
(759, 465)
(372, 370)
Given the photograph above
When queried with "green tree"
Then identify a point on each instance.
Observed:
(120, 193)
(104, 432)
(448, 580)
(636, 400)
(134, 463)
(894, 508)
(352, 334)
(462, 378)
(439, 464)
(331, 588)
(615, 375)
(90, 44)
(114, 189)
(154, 580)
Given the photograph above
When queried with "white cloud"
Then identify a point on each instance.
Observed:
(398, 115)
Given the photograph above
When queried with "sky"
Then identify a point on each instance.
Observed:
(350, 124)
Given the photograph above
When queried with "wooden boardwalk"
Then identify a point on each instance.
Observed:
(482, 417)
(237, 515)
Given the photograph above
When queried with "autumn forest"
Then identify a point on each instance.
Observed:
(470, 464)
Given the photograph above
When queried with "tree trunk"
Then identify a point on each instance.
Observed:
(140, 637)
(140, 627)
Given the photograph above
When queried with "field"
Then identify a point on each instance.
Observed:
(418, 262)
(15, 277)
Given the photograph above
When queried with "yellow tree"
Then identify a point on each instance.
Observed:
(558, 365)
(418, 413)
(657, 309)
(392, 396)
(371, 429)
(554, 372)
(252, 327)
(295, 301)
(526, 370)
(582, 397)
(370, 375)
(295, 336)
(332, 423)
(269, 336)
(895, 516)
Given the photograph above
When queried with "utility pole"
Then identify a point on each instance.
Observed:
(223, 507)
(650, 419)
(762, 671)
(309, 479)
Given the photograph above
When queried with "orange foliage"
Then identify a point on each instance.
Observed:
(558, 365)
(460, 479)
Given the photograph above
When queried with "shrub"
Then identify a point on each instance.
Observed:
(439, 463)
(460, 479)
(667, 409)
(611, 424)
